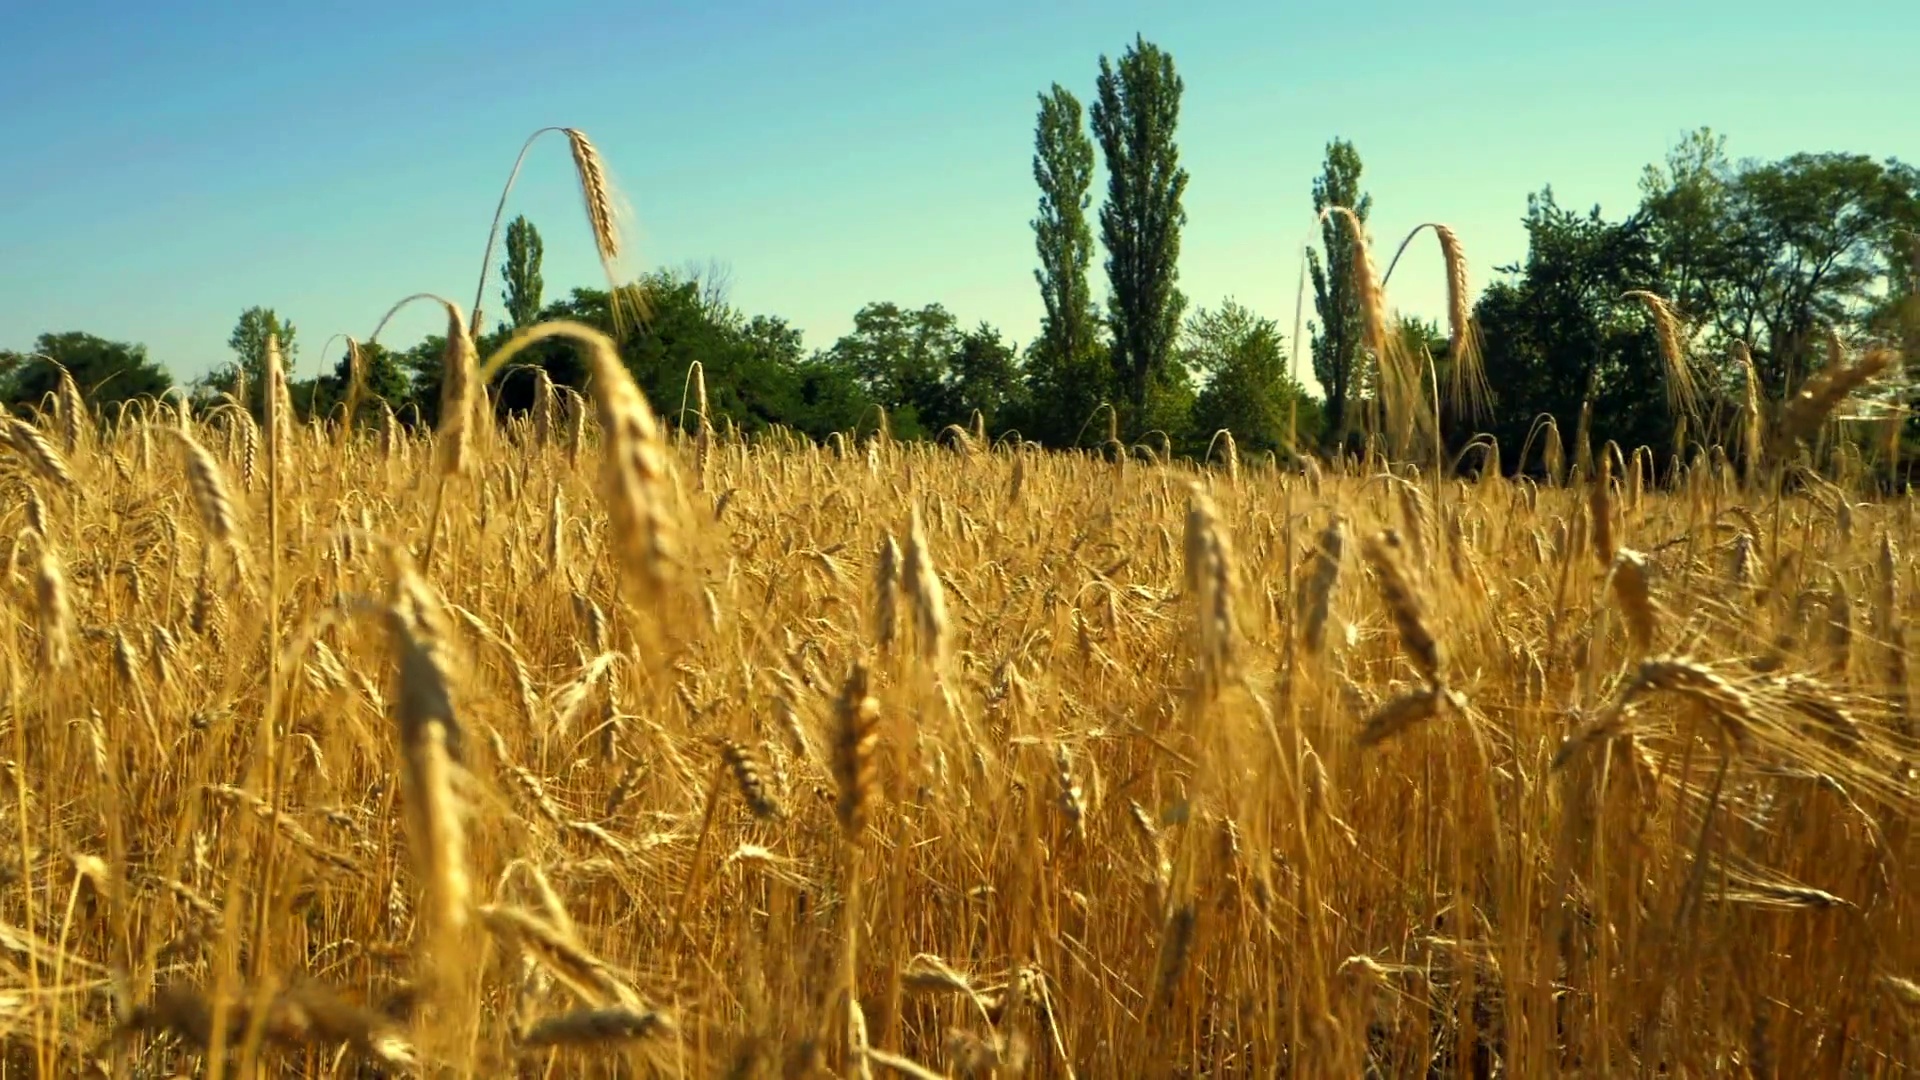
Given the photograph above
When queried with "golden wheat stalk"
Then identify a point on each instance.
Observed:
(26, 440)
(926, 596)
(596, 191)
(356, 386)
(73, 410)
(1316, 595)
(209, 489)
(458, 386)
(594, 1027)
(639, 485)
(1683, 396)
(856, 735)
(1417, 639)
(1823, 392)
(1467, 386)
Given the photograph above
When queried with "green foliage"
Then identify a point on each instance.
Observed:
(756, 369)
(984, 376)
(521, 272)
(106, 372)
(1067, 375)
(900, 359)
(1562, 328)
(1775, 253)
(383, 378)
(1339, 362)
(249, 344)
(1134, 116)
(1248, 389)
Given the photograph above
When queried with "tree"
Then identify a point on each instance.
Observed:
(820, 399)
(1774, 254)
(1339, 363)
(382, 378)
(984, 374)
(900, 360)
(1248, 389)
(1065, 373)
(106, 372)
(249, 344)
(521, 272)
(1808, 234)
(1562, 330)
(1134, 116)
(830, 399)
(1687, 204)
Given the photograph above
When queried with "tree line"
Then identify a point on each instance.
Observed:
(1793, 260)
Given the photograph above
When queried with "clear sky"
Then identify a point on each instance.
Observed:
(169, 164)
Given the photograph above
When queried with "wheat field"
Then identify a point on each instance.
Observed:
(590, 743)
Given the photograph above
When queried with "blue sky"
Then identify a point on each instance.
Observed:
(170, 164)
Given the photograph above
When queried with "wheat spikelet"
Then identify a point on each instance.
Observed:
(279, 406)
(1176, 946)
(1905, 992)
(1417, 639)
(556, 530)
(1397, 387)
(1413, 519)
(389, 432)
(1600, 509)
(587, 1027)
(703, 438)
(1554, 454)
(587, 977)
(596, 193)
(886, 593)
(1366, 283)
(1818, 703)
(1404, 712)
(73, 410)
(160, 650)
(1892, 630)
(576, 411)
(27, 441)
(1808, 409)
(928, 974)
(536, 791)
(209, 489)
(1072, 798)
(750, 776)
(925, 594)
(1683, 396)
(1209, 581)
(55, 611)
(856, 734)
(1316, 596)
(304, 1014)
(430, 742)
(544, 400)
(1839, 641)
(1750, 448)
(1630, 591)
(249, 448)
(458, 388)
(1466, 376)
(636, 478)
(1727, 703)
(356, 385)
(36, 508)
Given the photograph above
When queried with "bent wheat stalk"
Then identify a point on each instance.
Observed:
(595, 191)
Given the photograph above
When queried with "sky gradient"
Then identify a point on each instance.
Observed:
(172, 164)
